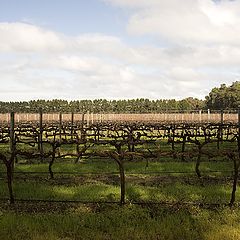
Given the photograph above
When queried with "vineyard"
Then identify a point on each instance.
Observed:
(216, 116)
(136, 151)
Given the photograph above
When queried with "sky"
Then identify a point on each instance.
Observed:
(117, 49)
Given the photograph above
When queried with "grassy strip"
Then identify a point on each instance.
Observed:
(131, 167)
(114, 222)
(137, 189)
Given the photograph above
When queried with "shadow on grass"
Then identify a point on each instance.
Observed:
(138, 189)
(104, 221)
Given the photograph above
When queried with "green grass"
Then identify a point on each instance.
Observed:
(178, 192)
(128, 222)
(98, 165)
(101, 221)
(99, 190)
(141, 185)
(86, 192)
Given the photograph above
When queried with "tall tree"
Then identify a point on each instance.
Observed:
(224, 97)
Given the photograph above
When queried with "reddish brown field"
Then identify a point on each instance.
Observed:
(154, 117)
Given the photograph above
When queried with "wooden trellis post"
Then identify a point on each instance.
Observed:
(10, 163)
(208, 115)
(221, 127)
(72, 122)
(88, 118)
(200, 115)
(222, 116)
(60, 126)
(12, 133)
(40, 137)
(92, 117)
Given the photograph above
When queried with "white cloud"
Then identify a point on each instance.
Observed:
(188, 21)
(204, 51)
(21, 37)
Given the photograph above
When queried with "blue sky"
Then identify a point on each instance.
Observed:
(115, 49)
(68, 16)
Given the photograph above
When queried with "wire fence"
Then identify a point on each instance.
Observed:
(170, 116)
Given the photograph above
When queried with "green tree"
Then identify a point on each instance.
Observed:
(224, 97)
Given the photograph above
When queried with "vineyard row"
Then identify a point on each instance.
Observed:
(120, 141)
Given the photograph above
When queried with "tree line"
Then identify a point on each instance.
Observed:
(224, 97)
(141, 105)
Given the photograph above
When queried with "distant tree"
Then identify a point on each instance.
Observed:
(224, 97)
(139, 105)
(191, 103)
